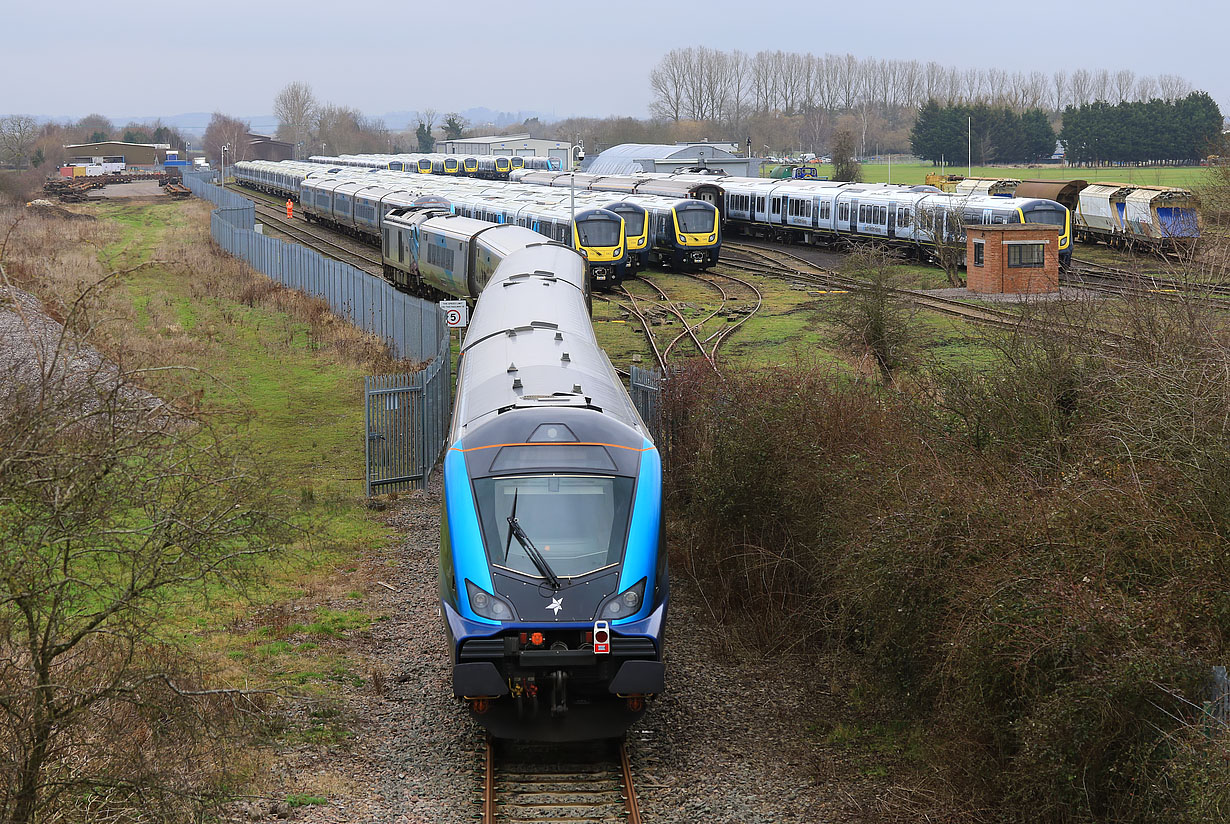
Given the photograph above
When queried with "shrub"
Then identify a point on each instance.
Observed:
(1030, 559)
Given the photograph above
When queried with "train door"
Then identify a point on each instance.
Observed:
(892, 219)
(988, 216)
(854, 216)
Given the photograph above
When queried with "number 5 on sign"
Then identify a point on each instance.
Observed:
(456, 313)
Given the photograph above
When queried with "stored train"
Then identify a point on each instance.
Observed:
(553, 575)
(357, 200)
(1121, 215)
(681, 232)
(828, 212)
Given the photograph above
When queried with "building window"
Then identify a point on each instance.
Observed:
(1026, 255)
(979, 246)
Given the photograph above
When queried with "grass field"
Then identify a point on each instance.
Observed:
(286, 380)
(789, 328)
(1184, 176)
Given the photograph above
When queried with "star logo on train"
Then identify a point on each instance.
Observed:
(556, 604)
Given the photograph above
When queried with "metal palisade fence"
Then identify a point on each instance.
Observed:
(646, 392)
(407, 415)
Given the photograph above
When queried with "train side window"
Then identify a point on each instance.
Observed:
(386, 242)
(777, 205)
(401, 246)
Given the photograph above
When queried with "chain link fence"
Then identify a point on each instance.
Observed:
(409, 429)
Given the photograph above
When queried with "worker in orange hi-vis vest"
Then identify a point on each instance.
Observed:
(290, 208)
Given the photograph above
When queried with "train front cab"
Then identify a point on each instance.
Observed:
(637, 230)
(598, 234)
(1050, 213)
(569, 649)
(697, 237)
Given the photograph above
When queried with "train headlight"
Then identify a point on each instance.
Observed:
(683, 239)
(624, 603)
(487, 605)
(712, 238)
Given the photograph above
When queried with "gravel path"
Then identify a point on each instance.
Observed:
(727, 743)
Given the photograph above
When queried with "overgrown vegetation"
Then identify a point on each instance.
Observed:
(1026, 559)
(153, 457)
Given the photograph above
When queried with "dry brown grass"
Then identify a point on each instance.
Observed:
(214, 273)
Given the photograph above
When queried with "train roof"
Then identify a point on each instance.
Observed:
(531, 345)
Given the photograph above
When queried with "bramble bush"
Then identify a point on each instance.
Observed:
(1029, 558)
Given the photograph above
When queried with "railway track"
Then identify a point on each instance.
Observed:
(303, 233)
(778, 263)
(729, 305)
(588, 783)
(1099, 276)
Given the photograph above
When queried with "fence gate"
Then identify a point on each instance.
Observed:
(407, 418)
(646, 386)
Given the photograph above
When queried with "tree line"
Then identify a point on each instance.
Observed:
(325, 128)
(984, 133)
(25, 143)
(801, 99)
(1165, 131)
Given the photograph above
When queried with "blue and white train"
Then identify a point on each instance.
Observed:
(553, 574)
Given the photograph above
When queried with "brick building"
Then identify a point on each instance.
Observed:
(1020, 258)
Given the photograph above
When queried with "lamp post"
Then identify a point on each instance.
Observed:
(225, 146)
(969, 147)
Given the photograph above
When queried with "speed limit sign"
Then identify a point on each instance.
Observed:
(456, 313)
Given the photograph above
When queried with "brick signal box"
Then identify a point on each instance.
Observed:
(1020, 258)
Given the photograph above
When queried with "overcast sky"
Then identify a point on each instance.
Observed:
(124, 58)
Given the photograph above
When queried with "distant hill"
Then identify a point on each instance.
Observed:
(193, 124)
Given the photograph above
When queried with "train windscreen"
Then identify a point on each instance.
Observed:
(577, 523)
(1046, 215)
(598, 232)
(695, 221)
(634, 222)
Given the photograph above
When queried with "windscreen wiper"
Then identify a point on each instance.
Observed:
(514, 529)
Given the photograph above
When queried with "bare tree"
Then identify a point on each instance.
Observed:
(1172, 87)
(941, 227)
(224, 130)
(18, 132)
(115, 506)
(1146, 88)
(1081, 88)
(1059, 88)
(668, 81)
(874, 319)
(295, 109)
(1124, 83)
(92, 127)
(1102, 85)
